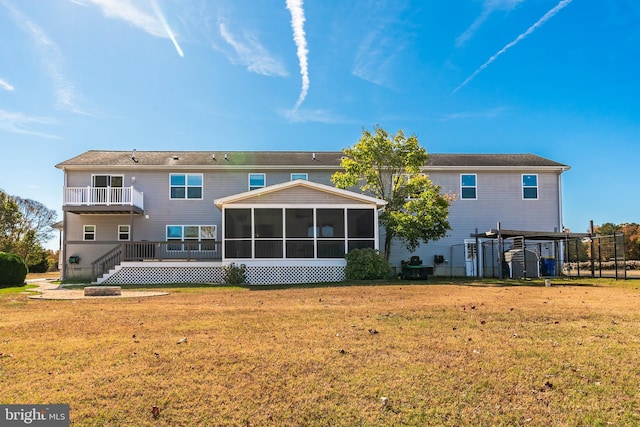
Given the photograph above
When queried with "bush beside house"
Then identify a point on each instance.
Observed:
(234, 274)
(367, 264)
(13, 270)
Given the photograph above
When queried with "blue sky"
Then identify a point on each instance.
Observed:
(554, 78)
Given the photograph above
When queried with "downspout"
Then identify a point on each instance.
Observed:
(64, 246)
(560, 262)
(64, 228)
(560, 215)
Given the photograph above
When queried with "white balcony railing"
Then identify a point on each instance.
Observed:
(103, 196)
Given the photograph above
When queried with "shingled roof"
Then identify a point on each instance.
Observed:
(321, 159)
(487, 160)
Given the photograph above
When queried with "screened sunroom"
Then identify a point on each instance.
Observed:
(298, 220)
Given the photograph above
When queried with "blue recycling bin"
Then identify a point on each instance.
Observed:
(548, 266)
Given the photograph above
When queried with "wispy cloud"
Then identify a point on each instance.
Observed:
(6, 86)
(251, 53)
(486, 114)
(488, 7)
(65, 92)
(373, 56)
(384, 40)
(297, 25)
(550, 14)
(21, 123)
(152, 21)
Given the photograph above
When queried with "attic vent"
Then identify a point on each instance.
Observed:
(175, 157)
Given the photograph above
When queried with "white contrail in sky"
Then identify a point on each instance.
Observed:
(130, 11)
(541, 21)
(164, 23)
(297, 25)
(5, 85)
(488, 8)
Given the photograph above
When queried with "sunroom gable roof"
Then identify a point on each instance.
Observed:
(284, 186)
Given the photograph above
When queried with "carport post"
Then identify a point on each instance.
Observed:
(615, 253)
(593, 272)
(577, 256)
(500, 254)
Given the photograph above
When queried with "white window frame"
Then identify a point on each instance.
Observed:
(475, 187)
(256, 187)
(128, 232)
(186, 186)
(537, 186)
(199, 239)
(110, 177)
(299, 175)
(85, 233)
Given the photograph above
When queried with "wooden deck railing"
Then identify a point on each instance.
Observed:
(156, 251)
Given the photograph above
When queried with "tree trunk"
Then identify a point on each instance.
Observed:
(387, 246)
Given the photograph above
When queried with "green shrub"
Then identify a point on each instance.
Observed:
(40, 265)
(367, 264)
(234, 274)
(13, 270)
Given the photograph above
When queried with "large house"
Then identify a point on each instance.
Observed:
(180, 216)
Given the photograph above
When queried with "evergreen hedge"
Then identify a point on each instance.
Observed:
(13, 270)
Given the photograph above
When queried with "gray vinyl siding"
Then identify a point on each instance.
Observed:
(87, 253)
(499, 199)
(301, 196)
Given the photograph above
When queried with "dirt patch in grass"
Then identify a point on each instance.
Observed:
(438, 355)
(50, 275)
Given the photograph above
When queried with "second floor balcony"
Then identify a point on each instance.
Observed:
(103, 200)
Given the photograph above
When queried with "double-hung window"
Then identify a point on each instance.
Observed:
(301, 175)
(89, 232)
(185, 186)
(468, 186)
(124, 232)
(530, 186)
(257, 180)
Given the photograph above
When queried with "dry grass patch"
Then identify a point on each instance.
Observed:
(441, 355)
